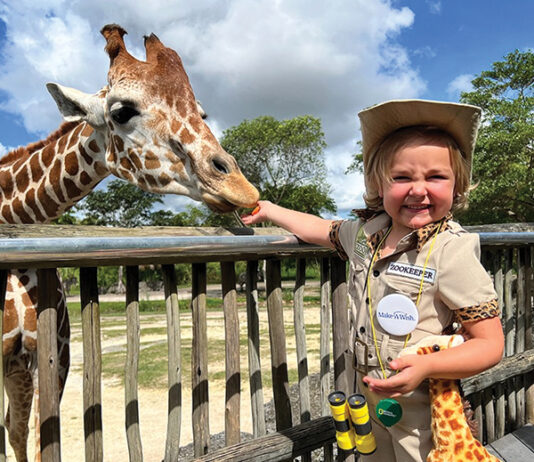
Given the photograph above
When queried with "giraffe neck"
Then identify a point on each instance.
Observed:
(39, 182)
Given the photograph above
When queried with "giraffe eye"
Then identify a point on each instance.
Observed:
(436, 347)
(123, 114)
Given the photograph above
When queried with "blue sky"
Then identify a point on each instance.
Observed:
(250, 58)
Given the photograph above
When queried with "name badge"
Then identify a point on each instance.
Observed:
(411, 271)
(397, 314)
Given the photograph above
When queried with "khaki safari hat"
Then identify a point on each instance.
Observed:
(461, 121)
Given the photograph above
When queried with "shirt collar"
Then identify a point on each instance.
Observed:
(378, 226)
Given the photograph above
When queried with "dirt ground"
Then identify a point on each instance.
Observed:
(153, 402)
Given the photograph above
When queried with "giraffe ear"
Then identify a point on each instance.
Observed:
(76, 105)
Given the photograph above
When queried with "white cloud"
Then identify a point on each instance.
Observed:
(434, 6)
(3, 149)
(460, 84)
(283, 59)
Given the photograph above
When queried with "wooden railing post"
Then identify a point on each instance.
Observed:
(48, 364)
(254, 361)
(133, 327)
(92, 365)
(232, 411)
(174, 348)
(199, 362)
(277, 338)
(3, 285)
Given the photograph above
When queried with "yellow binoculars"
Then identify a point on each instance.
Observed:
(352, 423)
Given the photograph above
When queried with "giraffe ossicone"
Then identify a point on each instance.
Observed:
(451, 435)
(146, 127)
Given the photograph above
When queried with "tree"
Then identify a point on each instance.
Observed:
(121, 204)
(281, 157)
(504, 157)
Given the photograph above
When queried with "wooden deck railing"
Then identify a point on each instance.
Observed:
(503, 397)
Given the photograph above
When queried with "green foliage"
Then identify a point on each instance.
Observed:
(504, 157)
(121, 204)
(281, 157)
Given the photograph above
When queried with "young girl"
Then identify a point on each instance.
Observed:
(413, 271)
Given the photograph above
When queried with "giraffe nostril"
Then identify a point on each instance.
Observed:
(220, 166)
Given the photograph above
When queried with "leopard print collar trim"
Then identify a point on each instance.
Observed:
(422, 235)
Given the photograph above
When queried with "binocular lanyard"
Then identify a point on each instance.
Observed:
(368, 284)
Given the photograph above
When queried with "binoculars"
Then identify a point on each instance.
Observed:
(352, 423)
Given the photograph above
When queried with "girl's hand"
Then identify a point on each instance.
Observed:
(412, 371)
(259, 214)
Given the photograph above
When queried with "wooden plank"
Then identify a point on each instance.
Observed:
(500, 411)
(3, 285)
(199, 362)
(254, 361)
(92, 365)
(48, 364)
(342, 377)
(526, 436)
(509, 318)
(509, 367)
(284, 445)
(131, 400)
(300, 340)
(489, 414)
(174, 413)
(277, 339)
(232, 414)
(511, 449)
(324, 348)
(529, 333)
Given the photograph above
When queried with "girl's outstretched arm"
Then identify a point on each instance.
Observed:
(309, 228)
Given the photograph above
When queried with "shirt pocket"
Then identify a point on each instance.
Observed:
(403, 286)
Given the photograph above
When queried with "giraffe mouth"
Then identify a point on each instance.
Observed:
(218, 204)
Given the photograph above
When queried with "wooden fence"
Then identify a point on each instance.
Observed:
(503, 397)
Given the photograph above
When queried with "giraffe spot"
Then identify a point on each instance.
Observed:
(85, 179)
(25, 279)
(454, 424)
(164, 179)
(112, 156)
(126, 174)
(110, 125)
(32, 293)
(47, 155)
(186, 137)
(88, 159)
(55, 177)
(62, 142)
(31, 202)
(22, 179)
(74, 137)
(469, 455)
(6, 213)
(100, 169)
(72, 190)
(93, 146)
(142, 183)
(18, 209)
(35, 168)
(6, 183)
(11, 318)
(119, 144)
(49, 205)
(71, 164)
(459, 447)
(448, 413)
(87, 130)
(436, 404)
(151, 180)
(126, 164)
(478, 454)
(446, 395)
(135, 159)
(152, 164)
(9, 344)
(196, 123)
(175, 126)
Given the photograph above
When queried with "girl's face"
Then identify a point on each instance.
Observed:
(422, 186)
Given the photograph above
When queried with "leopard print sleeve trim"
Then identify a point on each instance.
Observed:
(478, 312)
(334, 239)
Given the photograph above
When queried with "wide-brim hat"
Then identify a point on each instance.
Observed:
(461, 121)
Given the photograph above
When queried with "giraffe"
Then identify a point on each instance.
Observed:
(145, 126)
(451, 435)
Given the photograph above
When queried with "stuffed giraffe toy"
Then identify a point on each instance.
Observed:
(145, 127)
(451, 435)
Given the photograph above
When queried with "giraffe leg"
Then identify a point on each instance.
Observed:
(19, 389)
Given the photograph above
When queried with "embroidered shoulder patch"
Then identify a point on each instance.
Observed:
(360, 244)
(411, 271)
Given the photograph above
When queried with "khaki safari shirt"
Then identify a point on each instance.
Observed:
(456, 286)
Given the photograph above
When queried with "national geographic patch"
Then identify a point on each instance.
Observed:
(411, 271)
(360, 245)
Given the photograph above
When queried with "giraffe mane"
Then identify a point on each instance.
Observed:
(16, 154)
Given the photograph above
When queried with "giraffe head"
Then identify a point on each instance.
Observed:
(432, 344)
(153, 127)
